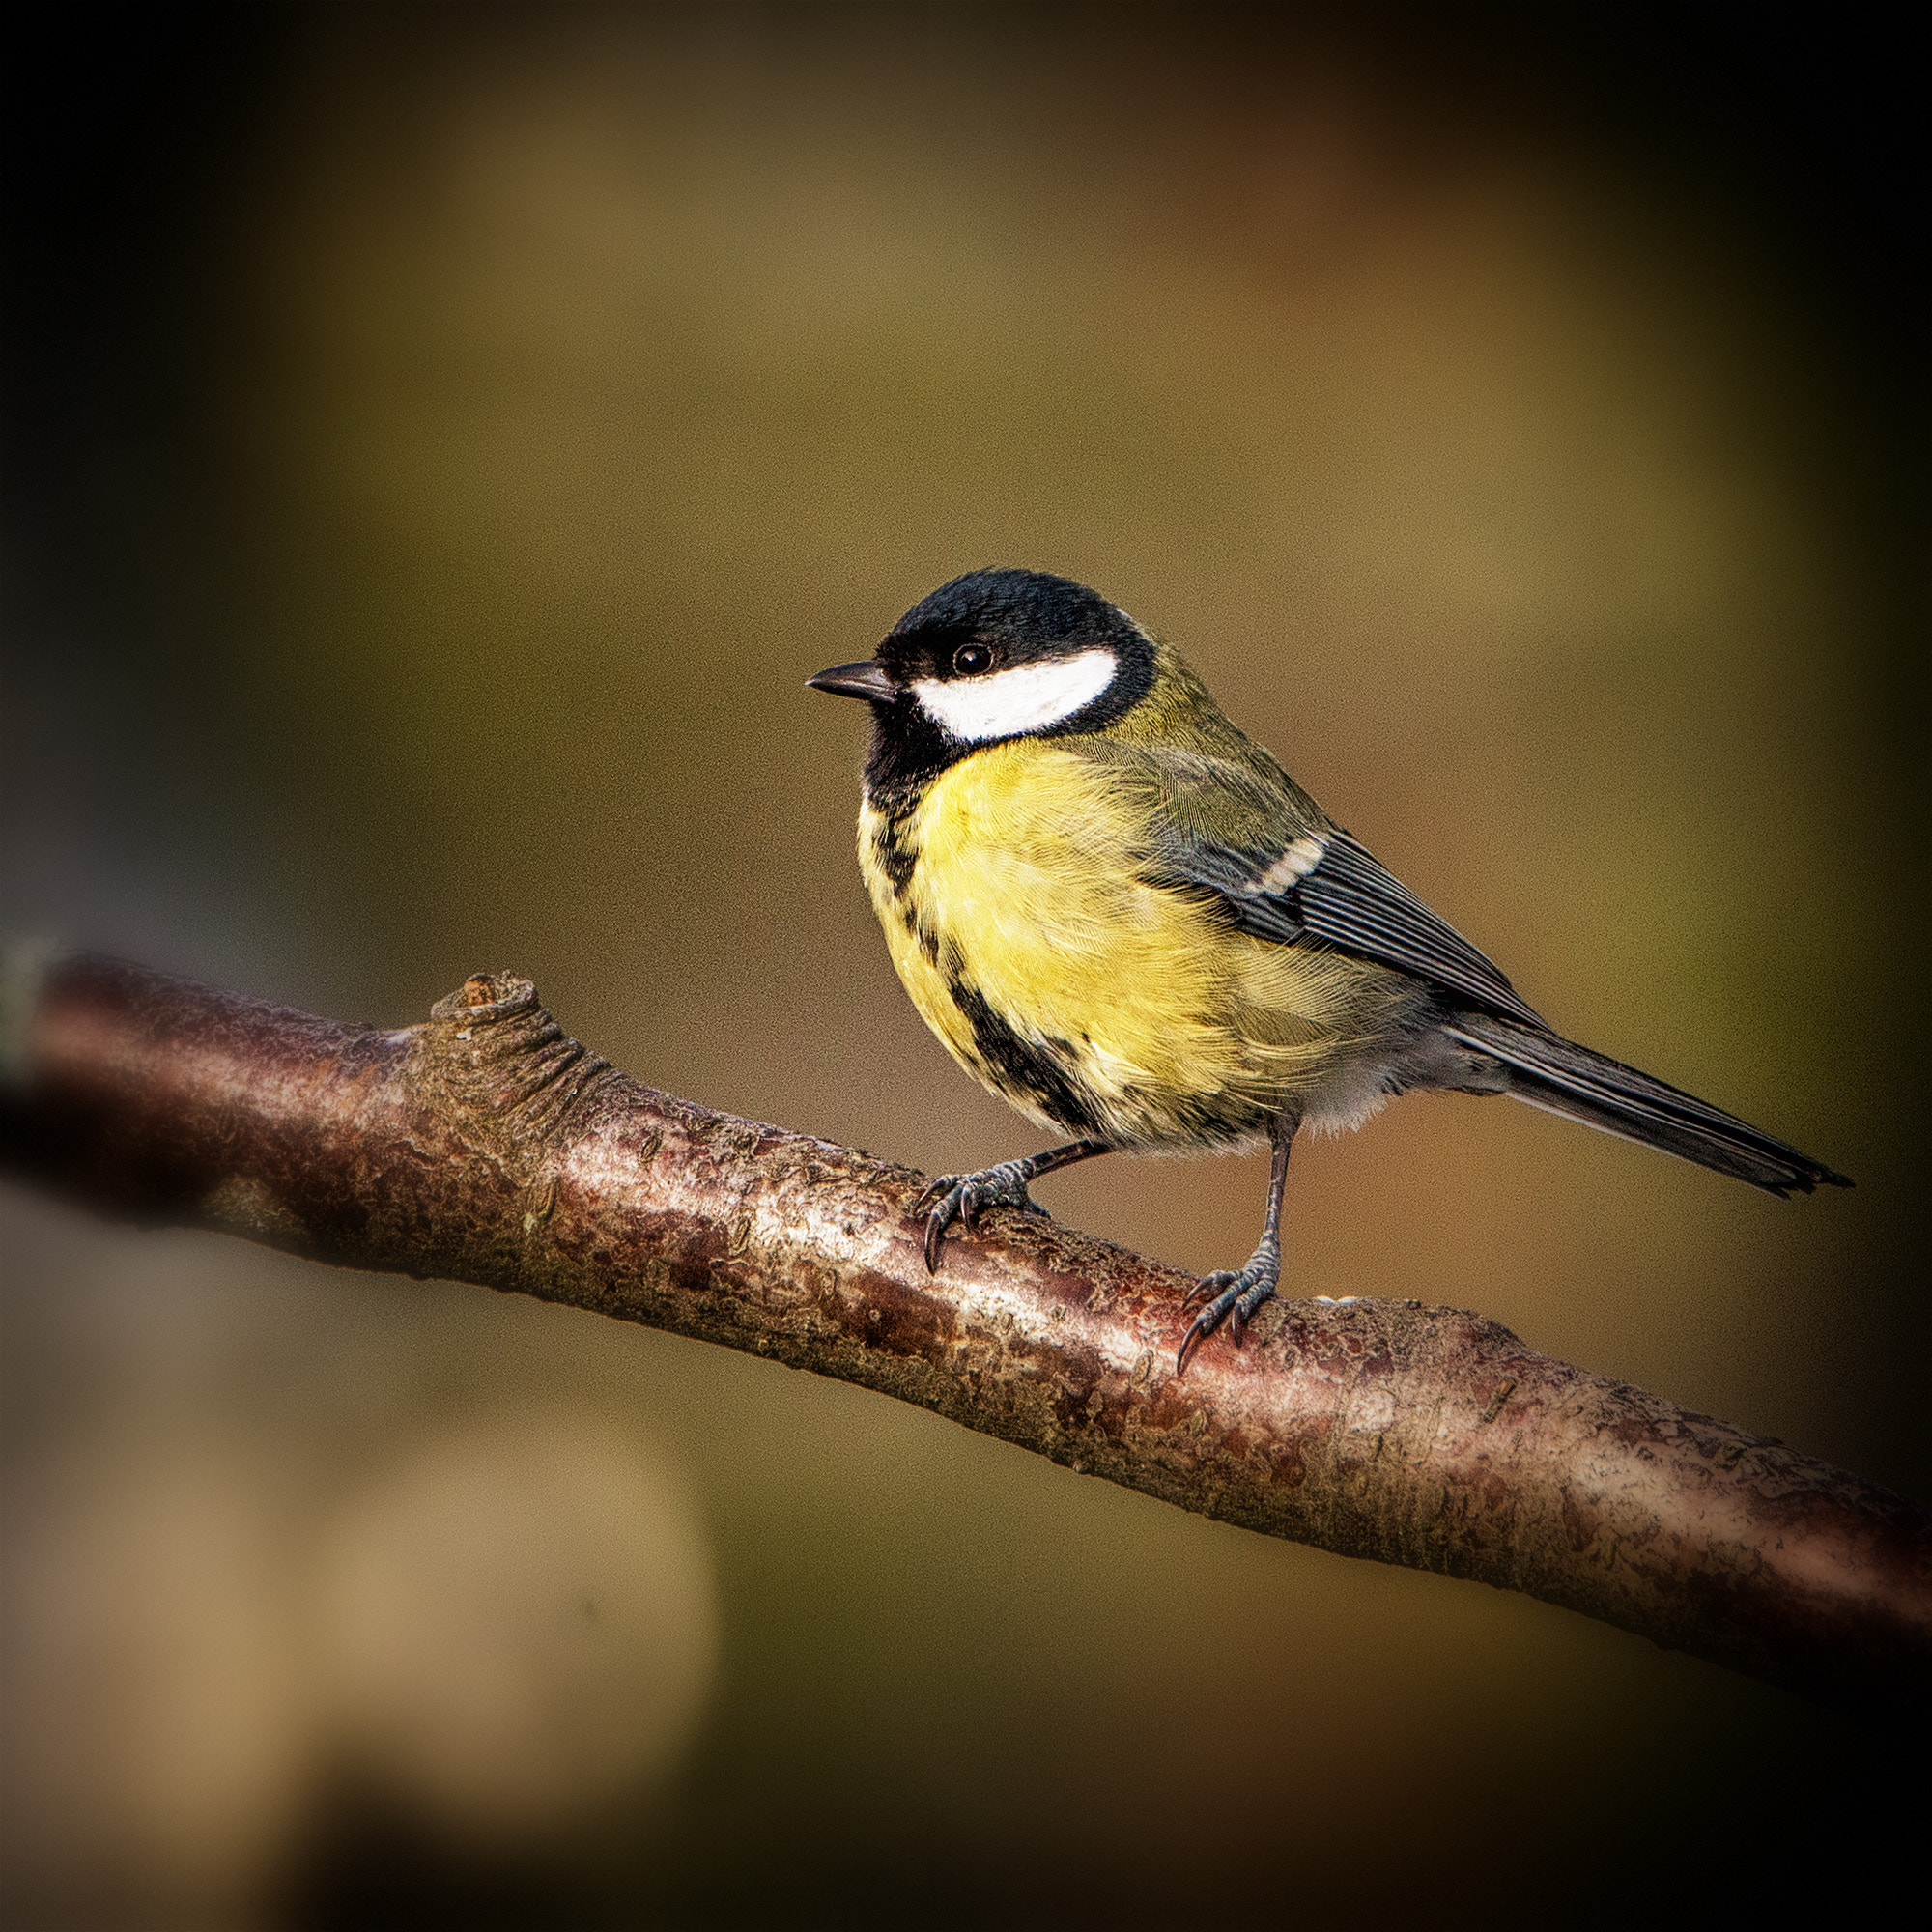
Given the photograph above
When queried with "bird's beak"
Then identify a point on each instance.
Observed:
(865, 679)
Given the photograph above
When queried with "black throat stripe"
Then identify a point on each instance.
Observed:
(892, 837)
(897, 859)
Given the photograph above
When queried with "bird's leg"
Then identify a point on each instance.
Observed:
(964, 1197)
(1237, 1298)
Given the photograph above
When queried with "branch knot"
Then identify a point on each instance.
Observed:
(497, 1058)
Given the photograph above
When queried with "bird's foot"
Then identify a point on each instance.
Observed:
(1231, 1298)
(965, 1197)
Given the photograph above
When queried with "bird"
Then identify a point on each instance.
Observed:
(1120, 913)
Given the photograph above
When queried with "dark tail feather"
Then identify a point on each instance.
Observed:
(1564, 1078)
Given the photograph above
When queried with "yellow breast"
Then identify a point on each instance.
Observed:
(1011, 895)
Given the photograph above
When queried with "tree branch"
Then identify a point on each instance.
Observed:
(490, 1147)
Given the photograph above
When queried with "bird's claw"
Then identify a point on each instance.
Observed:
(965, 1197)
(1233, 1298)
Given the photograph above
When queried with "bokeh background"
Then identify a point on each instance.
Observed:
(439, 441)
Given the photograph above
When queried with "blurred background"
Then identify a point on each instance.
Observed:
(439, 441)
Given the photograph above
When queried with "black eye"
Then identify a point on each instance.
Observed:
(970, 660)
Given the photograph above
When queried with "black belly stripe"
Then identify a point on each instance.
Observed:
(927, 939)
(1020, 1068)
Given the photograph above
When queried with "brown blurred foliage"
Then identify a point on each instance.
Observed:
(441, 441)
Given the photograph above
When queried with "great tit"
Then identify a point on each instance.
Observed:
(1121, 915)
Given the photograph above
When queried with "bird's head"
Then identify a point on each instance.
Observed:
(994, 655)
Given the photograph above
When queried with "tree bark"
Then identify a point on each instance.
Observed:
(488, 1147)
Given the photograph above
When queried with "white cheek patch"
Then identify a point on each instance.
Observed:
(1006, 703)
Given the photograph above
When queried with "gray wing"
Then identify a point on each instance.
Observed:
(1284, 871)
